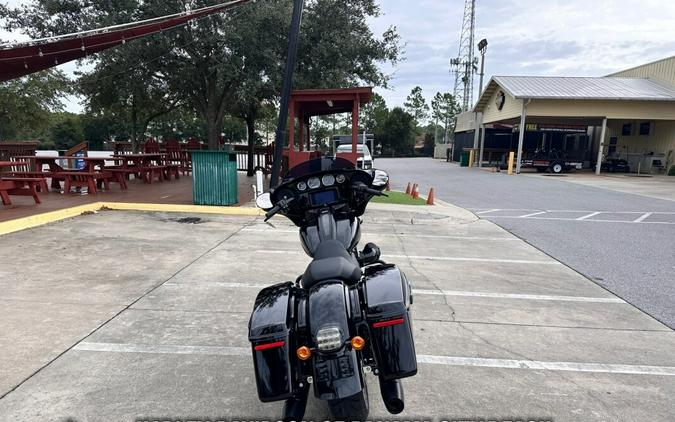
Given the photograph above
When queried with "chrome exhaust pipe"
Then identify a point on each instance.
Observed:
(392, 395)
(294, 408)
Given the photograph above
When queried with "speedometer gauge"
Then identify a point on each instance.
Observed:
(314, 183)
(328, 180)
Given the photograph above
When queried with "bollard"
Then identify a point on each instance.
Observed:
(259, 183)
(512, 156)
(472, 156)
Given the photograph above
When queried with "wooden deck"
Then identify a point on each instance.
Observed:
(173, 192)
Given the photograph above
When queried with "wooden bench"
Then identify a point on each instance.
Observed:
(78, 179)
(37, 175)
(19, 186)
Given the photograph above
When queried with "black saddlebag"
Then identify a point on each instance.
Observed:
(388, 298)
(271, 343)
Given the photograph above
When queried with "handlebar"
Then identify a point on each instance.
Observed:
(282, 205)
(361, 187)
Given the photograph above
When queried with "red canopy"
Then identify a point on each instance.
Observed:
(34, 56)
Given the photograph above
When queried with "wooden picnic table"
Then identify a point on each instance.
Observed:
(17, 186)
(88, 177)
(147, 165)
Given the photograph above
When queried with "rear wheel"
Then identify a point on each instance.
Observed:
(353, 408)
(557, 168)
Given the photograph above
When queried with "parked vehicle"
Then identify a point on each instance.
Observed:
(364, 160)
(614, 165)
(349, 313)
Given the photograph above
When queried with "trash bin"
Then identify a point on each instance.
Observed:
(79, 164)
(214, 178)
(464, 159)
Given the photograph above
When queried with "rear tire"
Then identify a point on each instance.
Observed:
(557, 168)
(353, 408)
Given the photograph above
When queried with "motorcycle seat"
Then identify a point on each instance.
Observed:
(331, 262)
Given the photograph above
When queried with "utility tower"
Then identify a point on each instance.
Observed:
(465, 65)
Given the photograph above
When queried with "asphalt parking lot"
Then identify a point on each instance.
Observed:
(120, 316)
(616, 230)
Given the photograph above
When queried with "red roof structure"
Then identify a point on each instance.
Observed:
(34, 56)
(321, 102)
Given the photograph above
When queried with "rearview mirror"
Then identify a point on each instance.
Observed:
(264, 201)
(380, 178)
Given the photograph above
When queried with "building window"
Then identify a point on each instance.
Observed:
(613, 141)
(645, 128)
(627, 129)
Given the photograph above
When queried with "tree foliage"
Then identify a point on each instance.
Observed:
(398, 132)
(227, 64)
(417, 106)
(25, 103)
(444, 109)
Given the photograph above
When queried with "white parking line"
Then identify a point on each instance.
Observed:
(585, 221)
(420, 236)
(586, 217)
(426, 292)
(488, 211)
(160, 349)
(533, 214)
(548, 366)
(643, 217)
(433, 258)
(423, 359)
(520, 296)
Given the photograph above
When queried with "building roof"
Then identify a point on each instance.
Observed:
(578, 88)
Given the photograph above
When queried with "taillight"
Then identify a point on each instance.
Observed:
(389, 323)
(329, 339)
(268, 346)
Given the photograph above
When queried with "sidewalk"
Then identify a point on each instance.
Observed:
(119, 316)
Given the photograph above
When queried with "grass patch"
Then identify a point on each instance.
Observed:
(398, 198)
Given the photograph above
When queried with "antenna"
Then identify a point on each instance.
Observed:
(465, 64)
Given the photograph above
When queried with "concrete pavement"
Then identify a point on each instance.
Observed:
(120, 316)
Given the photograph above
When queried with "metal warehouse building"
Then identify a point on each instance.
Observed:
(628, 115)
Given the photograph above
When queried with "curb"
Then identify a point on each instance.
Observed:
(33, 221)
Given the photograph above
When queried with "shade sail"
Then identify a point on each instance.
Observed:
(34, 56)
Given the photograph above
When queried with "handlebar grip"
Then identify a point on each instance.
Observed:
(272, 212)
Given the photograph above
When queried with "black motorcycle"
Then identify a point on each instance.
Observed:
(349, 313)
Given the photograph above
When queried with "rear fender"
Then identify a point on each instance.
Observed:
(337, 374)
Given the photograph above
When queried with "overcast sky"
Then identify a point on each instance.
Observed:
(526, 37)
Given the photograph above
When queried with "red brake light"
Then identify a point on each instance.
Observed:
(388, 323)
(269, 345)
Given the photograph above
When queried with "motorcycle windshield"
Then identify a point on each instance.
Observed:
(318, 165)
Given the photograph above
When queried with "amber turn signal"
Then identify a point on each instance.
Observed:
(304, 353)
(358, 343)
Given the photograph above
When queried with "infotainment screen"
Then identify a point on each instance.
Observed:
(324, 197)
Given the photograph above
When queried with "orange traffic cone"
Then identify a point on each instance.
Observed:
(430, 198)
(416, 192)
(408, 190)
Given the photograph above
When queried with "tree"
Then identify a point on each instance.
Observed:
(445, 109)
(66, 131)
(26, 103)
(398, 132)
(417, 106)
(374, 114)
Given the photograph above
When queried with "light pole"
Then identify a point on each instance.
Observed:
(482, 47)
